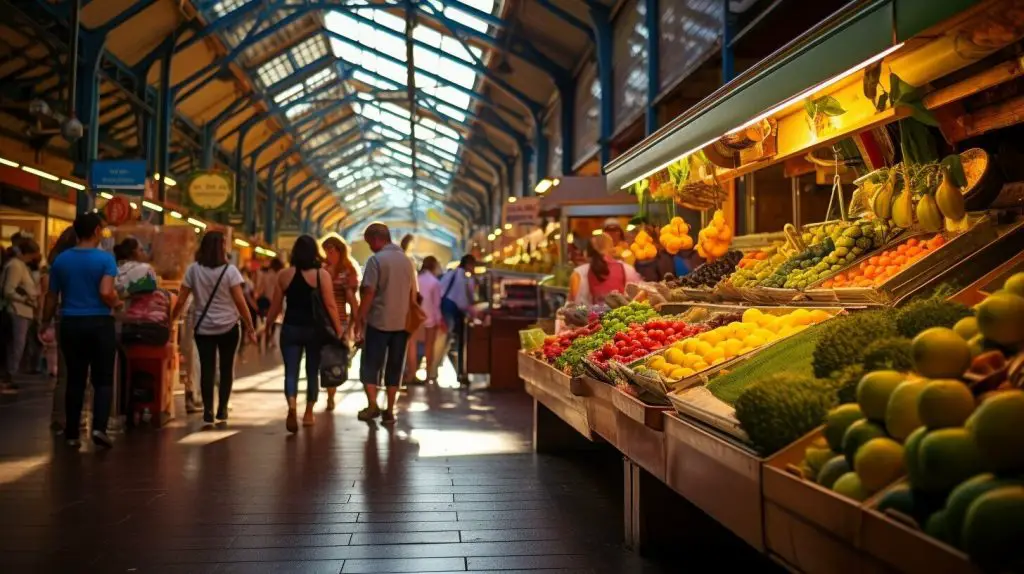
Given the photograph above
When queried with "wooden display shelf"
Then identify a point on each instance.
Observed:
(553, 388)
(721, 478)
(907, 549)
(651, 416)
(600, 409)
(642, 444)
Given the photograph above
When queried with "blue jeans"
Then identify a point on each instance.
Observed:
(294, 340)
(383, 357)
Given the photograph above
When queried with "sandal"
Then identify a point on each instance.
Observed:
(291, 423)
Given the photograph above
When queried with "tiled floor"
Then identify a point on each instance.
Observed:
(454, 487)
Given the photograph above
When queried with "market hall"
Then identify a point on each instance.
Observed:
(564, 285)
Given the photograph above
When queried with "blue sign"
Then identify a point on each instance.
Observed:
(118, 174)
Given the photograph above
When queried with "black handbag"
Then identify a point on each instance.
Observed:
(334, 364)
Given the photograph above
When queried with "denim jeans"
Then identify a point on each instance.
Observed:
(19, 328)
(383, 356)
(89, 346)
(296, 339)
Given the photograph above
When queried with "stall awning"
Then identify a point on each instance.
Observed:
(860, 31)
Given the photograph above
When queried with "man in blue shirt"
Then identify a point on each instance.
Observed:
(83, 280)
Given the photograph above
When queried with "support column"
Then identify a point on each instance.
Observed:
(540, 147)
(270, 207)
(653, 65)
(165, 120)
(209, 135)
(86, 100)
(524, 188)
(600, 17)
(728, 31)
(249, 223)
(567, 120)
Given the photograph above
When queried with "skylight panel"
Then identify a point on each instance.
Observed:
(320, 79)
(224, 7)
(291, 94)
(275, 70)
(309, 51)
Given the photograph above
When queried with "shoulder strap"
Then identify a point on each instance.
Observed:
(450, 285)
(209, 300)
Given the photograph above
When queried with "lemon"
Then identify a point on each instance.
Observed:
(817, 316)
(713, 337)
(717, 361)
(690, 345)
(745, 350)
(765, 320)
(753, 341)
(674, 356)
(699, 366)
(689, 359)
(688, 372)
(667, 369)
(713, 354)
(752, 316)
(657, 363)
(703, 347)
(765, 334)
(679, 345)
(677, 373)
(800, 317)
(732, 347)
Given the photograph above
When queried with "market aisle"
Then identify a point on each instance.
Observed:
(453, 487)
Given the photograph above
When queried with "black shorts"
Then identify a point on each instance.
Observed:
(383, 354)
(263, 304)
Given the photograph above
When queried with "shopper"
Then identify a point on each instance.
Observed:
(265, 288)
(302, 331)
(389, 281)
(218, 308)
(457, 289)
(82, 278)
(345, 282)
(249, 279)
(602, 275)
(66, 241)
(430, 291)
(19, 302)
(613, 229)
(134, 273)
(411, 356)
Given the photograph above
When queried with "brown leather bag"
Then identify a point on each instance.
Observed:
(416, 317)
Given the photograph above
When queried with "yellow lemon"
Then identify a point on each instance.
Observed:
(732, 347)
(717, 361)
(746, 350)
(679, 345)
(765, 334)
(699, 366)
(667, 369)
(712, 337)
(817, 316)
(657, 363)
(715, 353)
(689, 359)
(674, 356)
(764, 320)
(800, 317)
(753, 341)
(752, 316)
(702, 348)
(688, 372)
(690, 345)
(677, 373)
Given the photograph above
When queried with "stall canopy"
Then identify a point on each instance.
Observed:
(848, 40)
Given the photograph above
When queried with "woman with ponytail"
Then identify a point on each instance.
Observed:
(602, 274)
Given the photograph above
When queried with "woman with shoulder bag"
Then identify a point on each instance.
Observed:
(345, 281)
(220, 304)
(308, 290)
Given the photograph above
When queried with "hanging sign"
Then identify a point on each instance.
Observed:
(210, 190)
(117, 210)
(118, 174)
(525, 211)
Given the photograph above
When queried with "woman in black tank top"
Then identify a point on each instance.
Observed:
(300, 333)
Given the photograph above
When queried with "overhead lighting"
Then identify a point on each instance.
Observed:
(543, 186)
(242, 243)
(555, 182)
(810, 91)
(156, 176)
(8, 162)
(508, 226)
(497, 232)
(488, 259)
(73, 184)
(512, 199)
(196, 229)
(133, 205)
(196, 222)
(170, 181)
(176, 215)
(597, 232)
(668, 163)
(479, 270)
(40, 173)
(630, 227)
(106, 195)
(490, 237)
(153, 206)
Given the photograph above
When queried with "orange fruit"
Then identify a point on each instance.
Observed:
(913, 242)
(874, 260)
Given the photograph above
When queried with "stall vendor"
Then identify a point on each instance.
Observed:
(602, 275)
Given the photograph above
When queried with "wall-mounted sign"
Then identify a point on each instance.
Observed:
(525, 211)
(210, 190)
(118, 174)
(117, 210)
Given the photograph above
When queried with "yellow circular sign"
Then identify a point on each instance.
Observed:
(210, 190)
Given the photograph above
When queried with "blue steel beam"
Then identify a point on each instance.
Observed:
(567, 17)
(122, 17)
(600, 16)
(651, 16)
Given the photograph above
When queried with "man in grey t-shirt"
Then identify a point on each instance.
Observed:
(388, 282)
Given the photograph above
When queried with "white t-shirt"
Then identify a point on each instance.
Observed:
(222, 315)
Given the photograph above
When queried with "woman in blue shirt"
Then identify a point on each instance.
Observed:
(83, 280)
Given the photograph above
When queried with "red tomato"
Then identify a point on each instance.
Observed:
(669, 332)
(610, 350)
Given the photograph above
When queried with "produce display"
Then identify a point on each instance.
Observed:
(755, 329)
(713, 241)
(570, 358)
(643, 247)
(707, 274)
(675, 236)
(838, 246)
(929, 195)
(580, 315)
(640, 340)
(880, 268)
(554, 346)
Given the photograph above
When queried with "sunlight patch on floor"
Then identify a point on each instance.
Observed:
(435, 443)
(205, 437)
(13, 470)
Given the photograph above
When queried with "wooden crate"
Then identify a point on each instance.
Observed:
(720, 477)
(651, 416)
(600, 410)
(552, 388)
(801, 546)
(907, 549)
(642, 444)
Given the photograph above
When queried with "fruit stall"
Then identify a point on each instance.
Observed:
(843, 390)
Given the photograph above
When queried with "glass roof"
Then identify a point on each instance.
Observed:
(358, 63)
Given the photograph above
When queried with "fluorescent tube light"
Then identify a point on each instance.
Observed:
(40, 173)
(242, 243)
(8, 162)
(196, 222)
(176, 215)
(106, 195)
(72, 184)
(151, 205)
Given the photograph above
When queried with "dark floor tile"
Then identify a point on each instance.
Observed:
(395, 498)
(525, 562)
(385, 538)
(291, 541)
(307, 567)
(406, 517)
(404, 565)
(515, 534)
